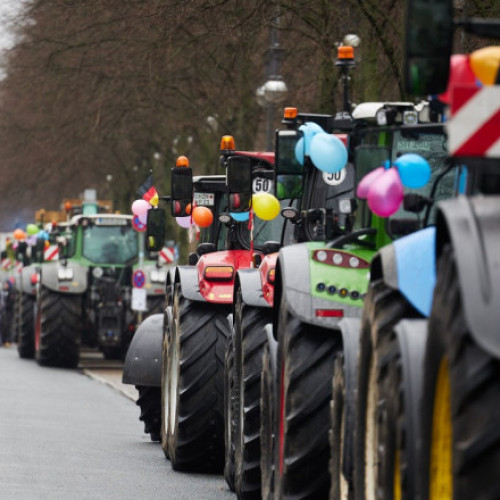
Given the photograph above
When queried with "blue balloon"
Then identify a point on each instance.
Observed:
(310, 129)
(299, 151)
(414, 170)
(240, 216)
(328, 153)
(44, 235)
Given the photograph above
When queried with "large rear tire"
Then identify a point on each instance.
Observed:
(167, 329)
(60, 325)
(196, 385)
(149, 402)
(384, 308)
(302, 452)
(26, 330)
(461, 415)
(249, 340)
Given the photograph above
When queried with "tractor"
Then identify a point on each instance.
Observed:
(428, 380)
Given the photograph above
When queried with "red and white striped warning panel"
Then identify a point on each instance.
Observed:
(474, 126)
(51, 253)
(167, 255)
(6, 264)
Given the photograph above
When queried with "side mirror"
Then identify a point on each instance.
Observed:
(429, 39)
(155, 230)
(290, 152)
(239, 183)
(182, 191)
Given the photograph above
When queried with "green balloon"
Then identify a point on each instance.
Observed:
(32, 229)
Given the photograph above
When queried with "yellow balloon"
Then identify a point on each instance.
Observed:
(265, 205)
(485, 64)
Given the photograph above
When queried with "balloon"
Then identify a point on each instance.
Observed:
(485, 63)
(309, 129)
(265, 205)
(31, 239)
(19, 234)
(202, 216)
(138, 225)
(328, 153)
(367, 181)
(44, 235)
(140, 207)
(240, 217)
(143, 218)
(386, 194)
(32, 229)
(460, 73)
(184, 222)
(414, 170)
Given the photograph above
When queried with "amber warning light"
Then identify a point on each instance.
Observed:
(182, 161)
(290, 113)
(227, 143)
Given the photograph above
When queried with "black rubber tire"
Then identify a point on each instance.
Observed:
(343, 408)
(60, 329)
(196, 385)
(384, 308)
(26, 327)
(149, 403)
(305, 363)
(228, 414)
(474, 377)
(267, 402)
(156, 305)
(249, 340)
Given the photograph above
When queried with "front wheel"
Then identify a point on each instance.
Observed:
(196, 386)
(305, 356)
(461, 391)
(58, 334)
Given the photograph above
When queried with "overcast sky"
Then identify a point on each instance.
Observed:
(8, 11)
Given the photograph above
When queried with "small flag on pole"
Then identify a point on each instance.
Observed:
(148, 192)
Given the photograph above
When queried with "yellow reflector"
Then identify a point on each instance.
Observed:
(345, 52)
(290, 113)
(218, 273)
(271, 275)
(182, 161)
(227, 142)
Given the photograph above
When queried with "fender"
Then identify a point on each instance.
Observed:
(251, 287)
(50, 280)
(273, 353)
(187, 276)
(409, 265)
(142, 364)
(472, 226)
(294, 274)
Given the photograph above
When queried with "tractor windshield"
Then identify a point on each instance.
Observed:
(108, 244)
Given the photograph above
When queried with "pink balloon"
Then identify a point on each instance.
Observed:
(143, 218)
(386, 194)
(184, 222)
(366, 182)
(140, 207)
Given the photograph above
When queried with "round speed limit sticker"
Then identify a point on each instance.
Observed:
(262, 185)
(336, 178)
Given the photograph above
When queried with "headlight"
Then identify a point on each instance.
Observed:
(158, 276)
(97, 272)
(65, 274)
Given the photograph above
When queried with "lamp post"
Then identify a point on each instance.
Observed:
(274, 91)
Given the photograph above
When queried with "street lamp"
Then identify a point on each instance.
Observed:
(274, 91)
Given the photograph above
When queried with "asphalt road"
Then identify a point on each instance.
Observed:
(65, 435)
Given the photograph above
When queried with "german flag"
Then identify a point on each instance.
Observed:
(148, 192)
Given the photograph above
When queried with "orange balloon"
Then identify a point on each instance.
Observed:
(202, 216)
(484, 63)
(19, 234)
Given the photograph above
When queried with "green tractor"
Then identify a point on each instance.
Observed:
(320, 290)
(86, 296)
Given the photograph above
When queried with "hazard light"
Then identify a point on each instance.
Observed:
(329, 313)
(345, 52)
(227, 143)
(290, 113)
(218, 273)
(182, 161)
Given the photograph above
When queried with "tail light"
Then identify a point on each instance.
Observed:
(218, 273)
